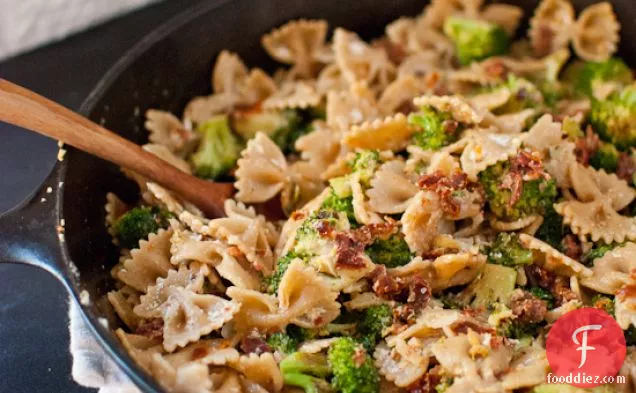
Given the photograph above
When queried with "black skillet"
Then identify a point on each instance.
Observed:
(164, 70)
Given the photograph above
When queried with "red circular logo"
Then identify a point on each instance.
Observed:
(585, 347)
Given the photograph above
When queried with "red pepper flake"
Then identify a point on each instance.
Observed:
(448, 187)
(152, 328)
(626, 167)
(199, 353)
(349, 252)
(255, 345)
(585, 147)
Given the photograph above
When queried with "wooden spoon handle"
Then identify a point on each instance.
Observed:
(26, 109)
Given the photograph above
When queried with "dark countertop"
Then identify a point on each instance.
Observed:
(34, 354)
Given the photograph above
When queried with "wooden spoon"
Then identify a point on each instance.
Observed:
(26, 109)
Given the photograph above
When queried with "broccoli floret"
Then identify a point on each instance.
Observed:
(374, 320)
(365, 163)
(307, 371)
(494, 284)
(606, 157)
(551, 230)
(536, 195)
(605, 303)
(438, 129)
(308, 383)
(506, 250)
(272, 282)
(444, 384)
(138, 223)
(543, 294)
(353, 369)
(524, 95)
(517, 330)
(337, 204)
(218, 150)
(598, 251)
(572, 129)
(590, 74)
(289, 340)
(613, 119)
(391, 252)
(474, 39)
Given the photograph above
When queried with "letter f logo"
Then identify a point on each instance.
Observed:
(583, 346)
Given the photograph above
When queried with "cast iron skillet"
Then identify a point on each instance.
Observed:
(164, 70)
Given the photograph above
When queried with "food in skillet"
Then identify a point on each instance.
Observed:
(450, 193)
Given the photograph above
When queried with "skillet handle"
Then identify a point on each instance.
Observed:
(29, 233)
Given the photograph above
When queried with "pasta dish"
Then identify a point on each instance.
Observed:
(446, 192)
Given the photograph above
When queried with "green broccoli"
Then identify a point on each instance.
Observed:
(586, 76)
(524, 95)
(308, 383)
(337, 204)
(606, 157)
(438, 129)
(391, 252)
(365, 163)
(218, 150)
(543, 294)
(598, 251)
(289, 340)
(443, 385)
(605, 303)
(517, 330)
(374, 320)
(506, 250)
(353, 369)
(475, 39)
(572, 129)
(138, 223)
(613, 119)
(307, 371)
(551, 230)
(536, 195)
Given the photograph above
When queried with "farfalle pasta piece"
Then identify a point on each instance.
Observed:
(360, 62)
(551, 259)
(595, 36)
(392, 133)
(188, 316)
(140, 348)
(551, 26)
(598, 220)
(529, 369)
(590, 184)
(233, 80)
(305, 299)
(492, 99)
(261, 369)
(301, 95)
(166, 130)
(459, 108)
(400, 92)
(200, 109)
(613, 270)
(213, 352)
(331, 79)
(625, 304)
(262, 170)
(403, 364)
(420, 221)
(391, 190)
(148, 262)
(485, 149)
(353, 106)
(558, 163)
(301, 43)
(257, 309)
(425, 66)
(544, 134)
(150, 304)
(123, 301)
(505, 15)
(319, 147)
(114, 208)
